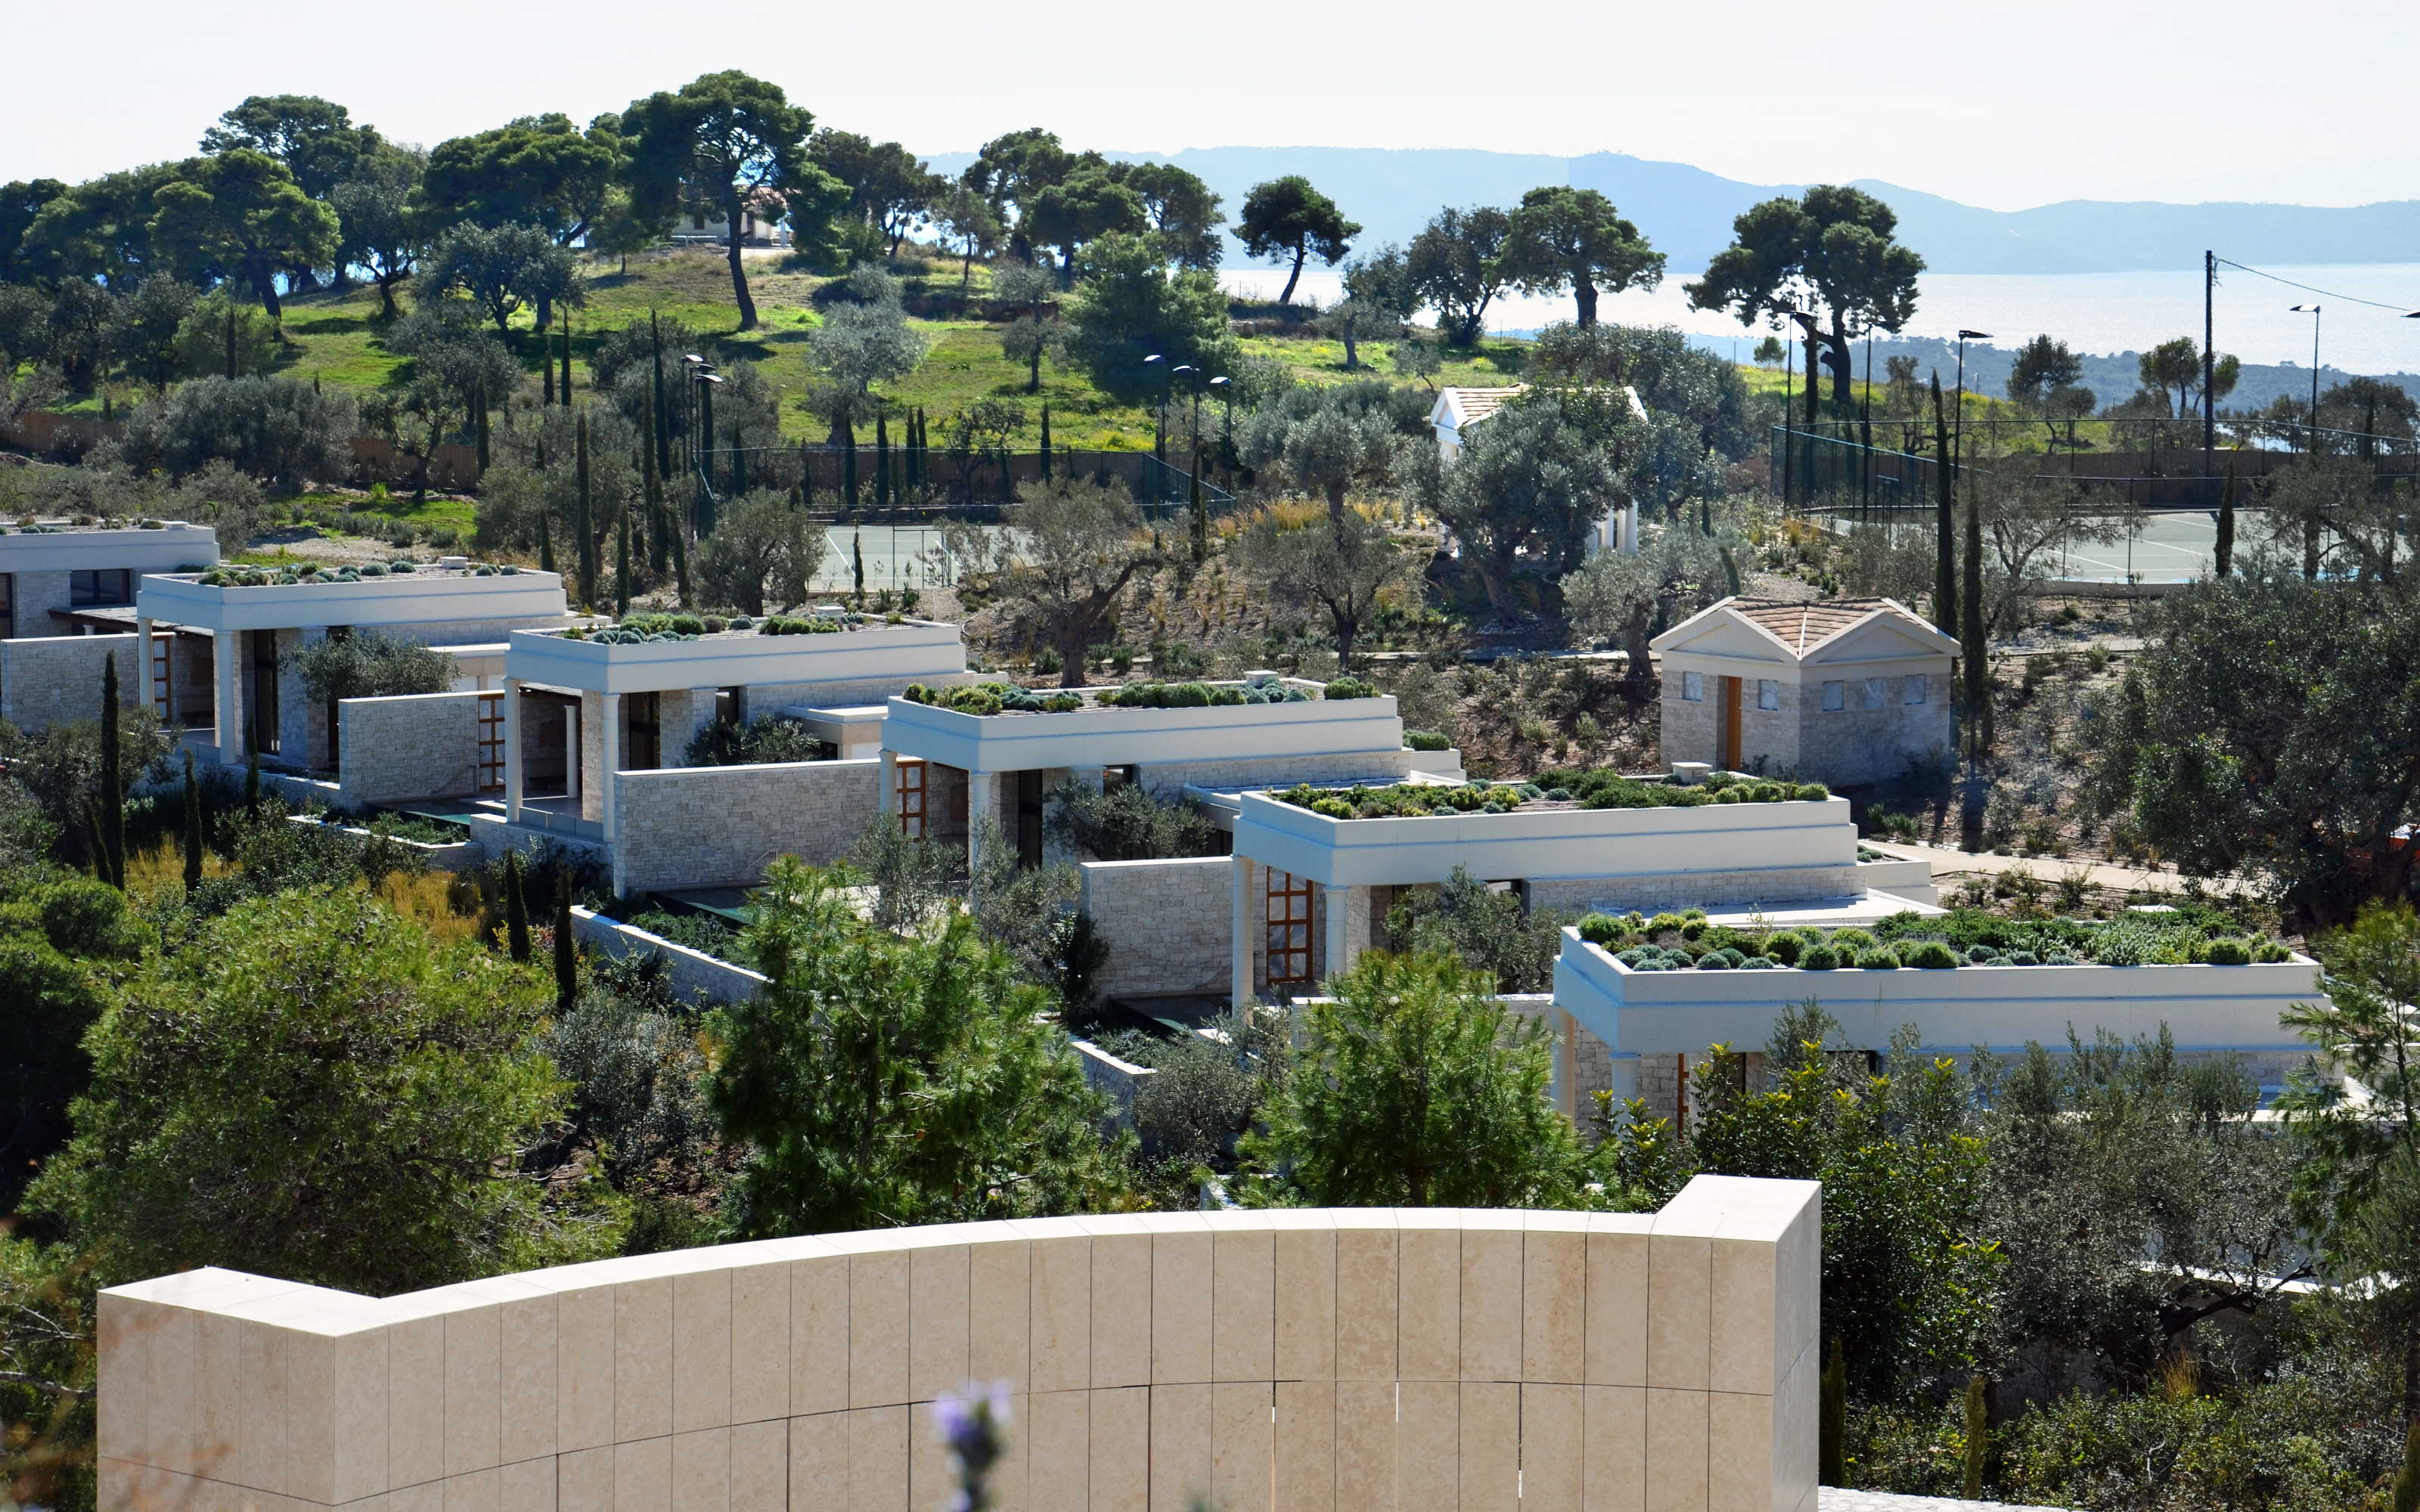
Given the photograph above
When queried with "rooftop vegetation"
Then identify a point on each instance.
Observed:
(1964, 937)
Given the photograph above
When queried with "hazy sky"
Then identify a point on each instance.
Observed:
(1999, 106)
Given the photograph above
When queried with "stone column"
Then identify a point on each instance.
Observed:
(512, 750)
(886, 791)
(1630, 529)
(1566, 1067)
(609, 746)
(1240, 984)
(1340, 946)
(143, 690)
(225, 647)
(575, 753)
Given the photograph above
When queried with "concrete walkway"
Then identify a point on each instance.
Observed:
(1832, 1499)
(1949, 861)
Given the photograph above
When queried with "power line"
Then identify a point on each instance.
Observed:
(2311, 289)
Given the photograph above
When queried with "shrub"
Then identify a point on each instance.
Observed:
(1877, 957)
(1426, 740)
(2229, 954)
(771, 738)
(2022, 958)
(1786, 948)
(1819, 958)
(1601, 929)
(277, 429)
(1931, 955)
(1350, 687)
(2273, 952)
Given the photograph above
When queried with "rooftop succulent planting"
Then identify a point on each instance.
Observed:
(1006, 698)
(1552, 790)
(288, 575)
(1963, 938)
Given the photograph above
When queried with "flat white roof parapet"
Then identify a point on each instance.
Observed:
(1108, 736)
(1548, 843)
(171, 547)
(911, 651)
(1660, 1012)
(431, 596)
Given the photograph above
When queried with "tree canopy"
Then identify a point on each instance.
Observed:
(241, 216)
(316, 139)
(1286, 220)
(1131, 305)
(1835, 244)
(1455, 265)
(1559, 238)
(539, 170)
(731, 142)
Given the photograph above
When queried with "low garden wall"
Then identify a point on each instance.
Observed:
(55, 679)
(1170, 925)
(415, 745)
(2206, 1007)
(1105, 1073)
(1344, 1359)
(695, 975)
(721, 826)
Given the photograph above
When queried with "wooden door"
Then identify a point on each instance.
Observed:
(912, 799)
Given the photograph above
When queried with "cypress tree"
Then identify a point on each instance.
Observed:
(192, 825)
(516, 934)
(1971, 644)
(659, 418)
(583, 527)
(111, 835)
(566, 387)
(479, 416)
(806, 477)
(881, 462)
(1944, 568)
(856, 563)
(849, 460)
(566, 947)
(2225, 555)
(1046, 443)
(622, 562)
(2404, 1495)
(546, 371)
(1196, 516)
(655, 494)
(680, 561)
(545, 543)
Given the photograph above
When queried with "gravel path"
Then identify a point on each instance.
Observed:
(1949, 861)
(1832, 1499)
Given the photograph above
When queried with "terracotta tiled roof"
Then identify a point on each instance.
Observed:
(1477, 403)
(1801, 627)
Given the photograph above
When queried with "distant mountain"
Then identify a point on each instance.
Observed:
(1687, 211)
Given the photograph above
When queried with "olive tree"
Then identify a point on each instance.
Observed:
(1070, 546)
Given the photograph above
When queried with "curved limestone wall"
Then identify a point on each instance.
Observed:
(1336, 1359)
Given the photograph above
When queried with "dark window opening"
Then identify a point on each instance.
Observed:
(100, 587)
(264, 691)
(644, 749)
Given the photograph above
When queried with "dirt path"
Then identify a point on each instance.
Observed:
(1949, 861)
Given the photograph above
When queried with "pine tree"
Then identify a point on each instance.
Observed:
(567, 946)
(583, 527)
(110, 834)
(1944, 567)
(2224, 556)
(192, 825)
(516, 934)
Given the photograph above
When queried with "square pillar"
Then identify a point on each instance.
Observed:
(983, 798)
(512, 750)
(228, 714)
(1340, 946)
(575, 754)
(610, 744)
(143, 654)
(1239, 970)
(1566, 1063)
(886, 788)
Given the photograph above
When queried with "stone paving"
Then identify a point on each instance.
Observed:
(1832, 1499)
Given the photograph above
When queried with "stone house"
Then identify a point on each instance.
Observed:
(1843, 691)
(67, 603)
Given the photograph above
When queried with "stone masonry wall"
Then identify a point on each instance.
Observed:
(56, 679)
(34, 594)
(1857, 745)
(1169, 924)
(422, 746)
(716, 827)
(1697, 889)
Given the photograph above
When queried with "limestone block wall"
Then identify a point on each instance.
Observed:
(694, 974)
(418, 746)
(1854, 745)
(1170, 925)
(713, 827)
(1338, 1360)
(54, 679)
(34, 594)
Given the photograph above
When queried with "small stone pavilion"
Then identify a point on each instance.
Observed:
(1843, 691)
(66, 602)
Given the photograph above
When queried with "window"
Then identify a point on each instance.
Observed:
(644, 749)
(1693, 686)
(1833, 701)
(1289, 924)
(491, 742)
(1873, 692)
(99, 587)
(912, 799)
(1914, 691)
(1768, 694)
(8, 605)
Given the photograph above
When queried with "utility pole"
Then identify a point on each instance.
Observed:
(2208, 364)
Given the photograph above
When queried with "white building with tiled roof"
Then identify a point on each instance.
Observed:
(1458, 409)
(1843, 691)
